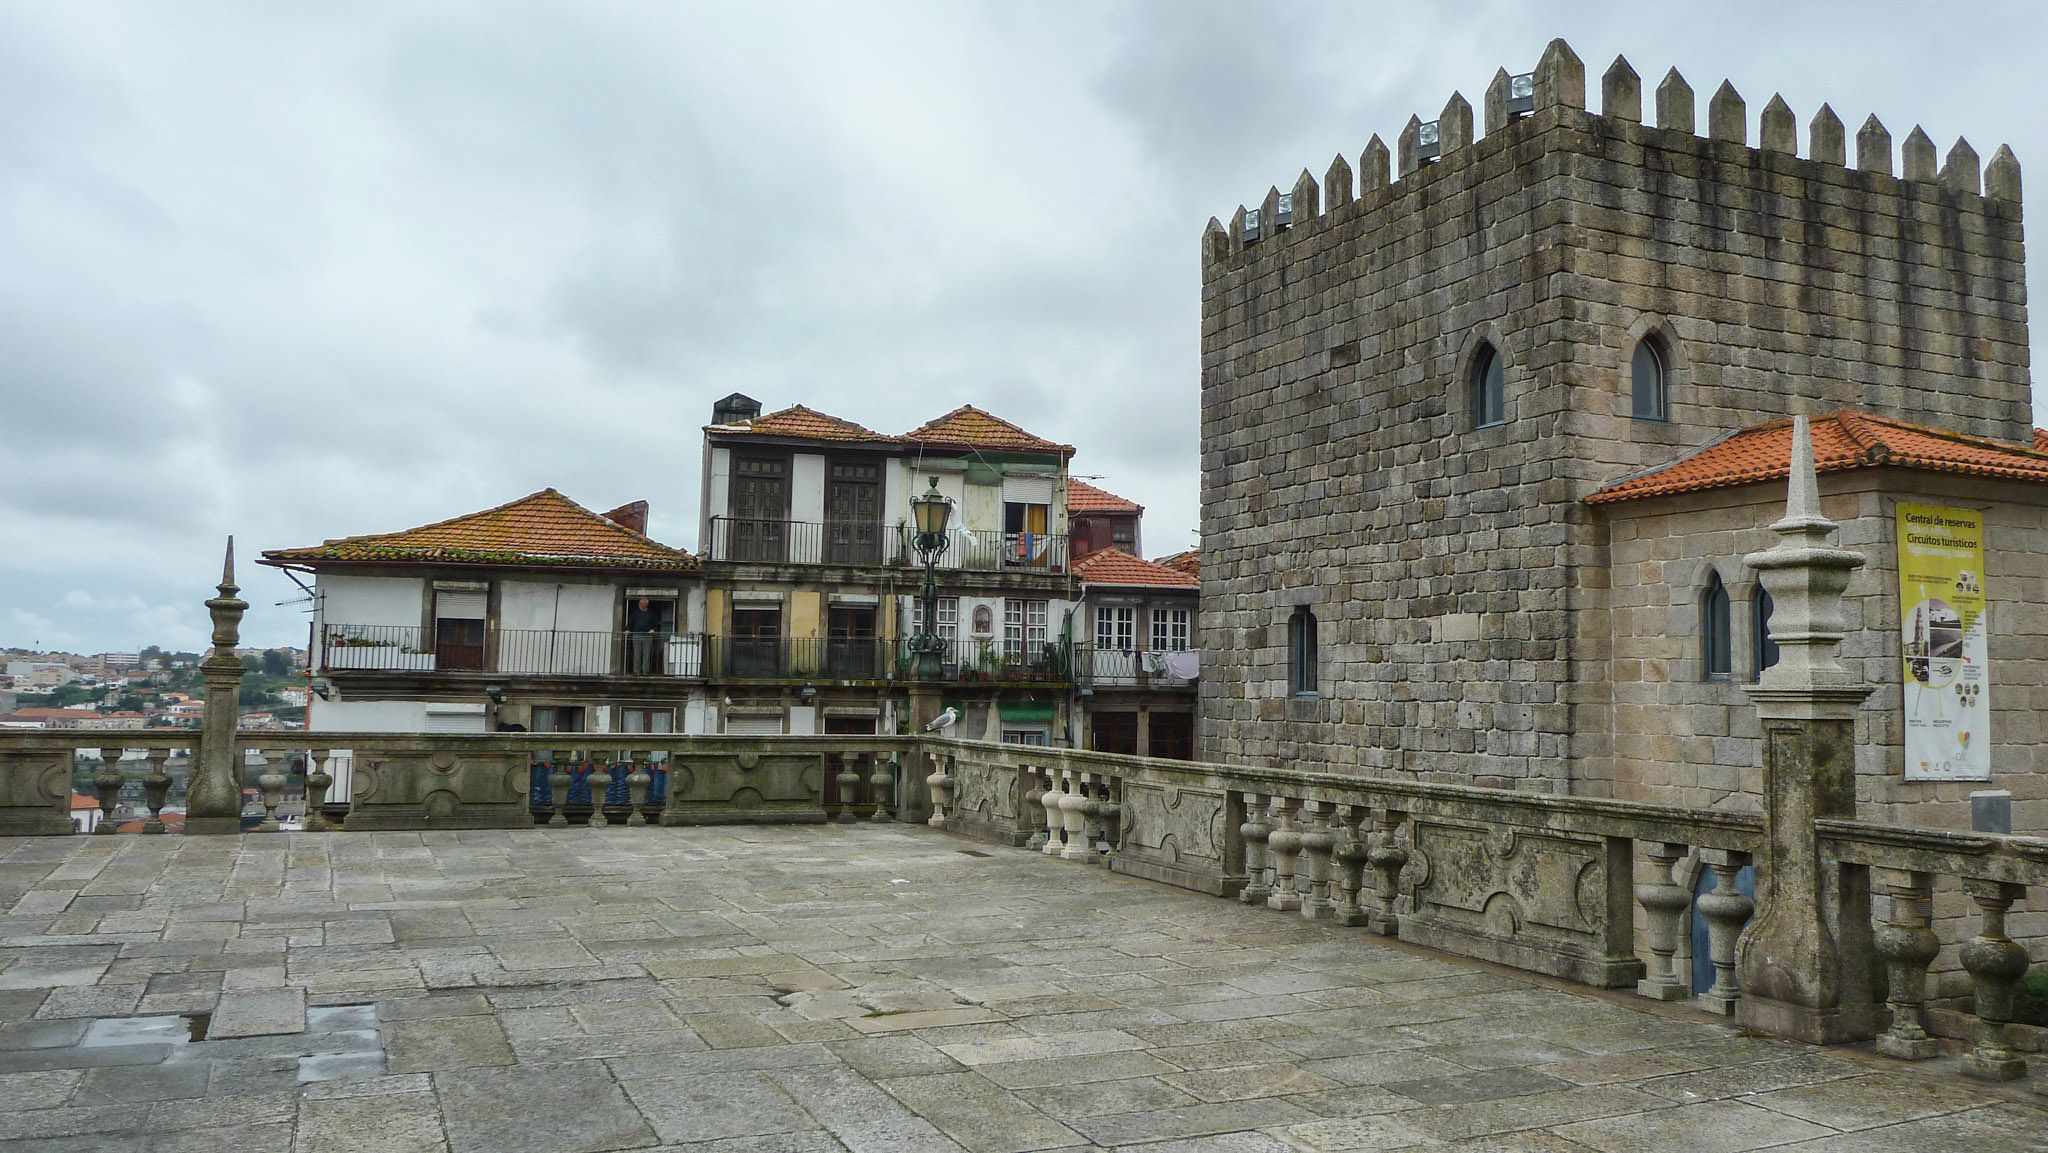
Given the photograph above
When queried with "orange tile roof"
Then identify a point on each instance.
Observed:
(967, 428)
(2041, 440)
(1841, 441)
(1084, 498)
(803, 423)
(1188, 561)
(545, 529)
(1114, 566)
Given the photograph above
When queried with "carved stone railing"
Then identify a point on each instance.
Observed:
(1540, 882)
(477, 781)
(1995, 873)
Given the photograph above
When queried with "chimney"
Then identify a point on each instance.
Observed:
(632, 516)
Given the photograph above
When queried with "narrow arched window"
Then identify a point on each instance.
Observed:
(1718, 662)
(1650, 383)
(1763, 650)
(1301, 653)
(1489, 394)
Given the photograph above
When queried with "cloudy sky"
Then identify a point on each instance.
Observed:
(301, 271)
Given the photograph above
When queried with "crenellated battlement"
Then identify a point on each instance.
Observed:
(1557, 87)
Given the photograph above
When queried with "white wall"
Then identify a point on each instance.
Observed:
(526, 605)
(717, 486)
(366, 716)
(362, 600)
(807, 487)
(589, 608)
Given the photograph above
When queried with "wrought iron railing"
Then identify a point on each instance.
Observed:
(532, 652)
(1113, 668)
(754, 540)
(990, 551)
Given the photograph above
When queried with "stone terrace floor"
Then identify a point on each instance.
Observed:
(882, 988)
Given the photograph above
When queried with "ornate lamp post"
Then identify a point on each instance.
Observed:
(930, 511)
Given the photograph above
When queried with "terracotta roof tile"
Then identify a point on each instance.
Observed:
(545, 529)
(968, 428)
(1841, 441)
(1189, 562)
(2041, 440)
(1084, 498)
(1114, 566)
(804, 423)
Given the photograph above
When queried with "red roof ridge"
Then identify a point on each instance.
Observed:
(948, 430)
(1096, 499)
(1843, 440)
(1114, 566)
(576, 534)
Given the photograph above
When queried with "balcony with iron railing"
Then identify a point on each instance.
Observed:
(1097, 667)
(883, 658)
(518, 652)
(744, 540)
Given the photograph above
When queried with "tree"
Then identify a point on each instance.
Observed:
(251, 664)
(275, 663)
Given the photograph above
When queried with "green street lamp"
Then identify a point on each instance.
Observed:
(929, 514)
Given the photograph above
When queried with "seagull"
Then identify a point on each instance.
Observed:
(943, 721)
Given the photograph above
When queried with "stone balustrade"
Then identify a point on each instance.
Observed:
(1584, 889)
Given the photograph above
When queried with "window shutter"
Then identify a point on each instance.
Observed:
(1027, 490)
(461, 606)
(753, 725)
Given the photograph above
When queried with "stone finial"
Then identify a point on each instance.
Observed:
(1727, 115)
(1918, 154)
(1307, 203)
(1237, 223)
(2002, 176)
(1806, 577)
(227, 609)
(1454, 126)
(1874, 147)
(1373, 166)
(1778, 129)
(1409, 146)
(1674, 103)
(1560, 78)
(1960, 171)
(1337, 181)
(1497, 115)
(1621, 92)
(1215, 241)
(1824, 141)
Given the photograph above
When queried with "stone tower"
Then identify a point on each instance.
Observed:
(1414, 372)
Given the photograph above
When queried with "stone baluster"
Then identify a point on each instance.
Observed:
(941, 785)
(1055, 791)
(1318, 838)
(1034, 806)
(1387, 859)
(1349, 858)
(318, 781)
(558, 791)
(599, 782)
(1091, 818)
(1908, 946)
(156, 789)
(1996, 963)
(1255, 829)
(881, 788)
(1726, 911)
(1285, 844)
(637, 783)
(1112, 815)
(849, 787)
(1664, 903)
(1074, 816)
(270, 786)
(107, 784)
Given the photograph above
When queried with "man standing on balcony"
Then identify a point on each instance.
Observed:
(640, 622)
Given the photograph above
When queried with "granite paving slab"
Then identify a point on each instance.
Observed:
(804, 990)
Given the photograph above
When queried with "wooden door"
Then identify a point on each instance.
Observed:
(853, 515)
(760, 510)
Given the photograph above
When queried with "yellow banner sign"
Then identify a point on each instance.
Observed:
(1941, 618)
